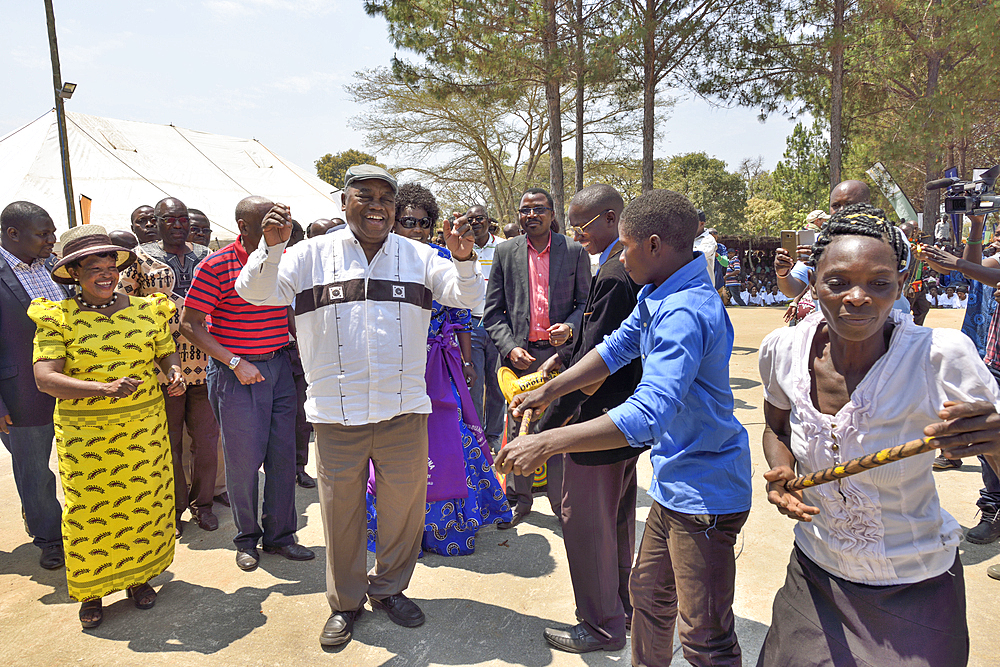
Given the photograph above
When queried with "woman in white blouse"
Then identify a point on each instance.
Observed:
(874, 576)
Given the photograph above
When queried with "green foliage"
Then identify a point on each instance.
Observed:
(764, 217)
(706, 182)
(331, 168)
(802, 177)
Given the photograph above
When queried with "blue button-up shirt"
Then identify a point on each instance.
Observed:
(683, 407)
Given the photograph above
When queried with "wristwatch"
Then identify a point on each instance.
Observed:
(471, 258)
(234, 362)
(466, 364)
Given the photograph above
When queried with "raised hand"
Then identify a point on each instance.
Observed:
(277, 224)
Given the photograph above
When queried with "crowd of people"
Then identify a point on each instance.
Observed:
(169, 375)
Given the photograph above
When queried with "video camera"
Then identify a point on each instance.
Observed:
(970, 197)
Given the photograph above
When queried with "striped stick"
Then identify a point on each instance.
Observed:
(861, 464)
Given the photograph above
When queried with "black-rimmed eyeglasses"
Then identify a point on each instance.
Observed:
(528, 211)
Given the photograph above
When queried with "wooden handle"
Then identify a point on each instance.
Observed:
(861, 464)
(526, 418)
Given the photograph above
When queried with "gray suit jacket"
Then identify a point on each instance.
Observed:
(19, 397)
(507, 313)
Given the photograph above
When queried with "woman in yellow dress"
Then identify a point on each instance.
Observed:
(97, 353)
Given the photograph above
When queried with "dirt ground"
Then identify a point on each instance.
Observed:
(486, 609)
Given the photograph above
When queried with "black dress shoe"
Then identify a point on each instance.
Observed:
(222, 498)
(578, 639)
(292, 551)
(247, 559)
(338, 628)
(52, 557)
(206, 520)
(518, 518)
(401, 610)
(303, 479)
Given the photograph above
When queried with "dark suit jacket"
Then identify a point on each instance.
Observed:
(19, 397)
(613, 297)
(507, 314)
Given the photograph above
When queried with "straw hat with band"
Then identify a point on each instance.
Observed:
(84, 241)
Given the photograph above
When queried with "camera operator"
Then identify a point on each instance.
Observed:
(987, 271)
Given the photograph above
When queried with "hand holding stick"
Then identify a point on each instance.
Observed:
(861, 464)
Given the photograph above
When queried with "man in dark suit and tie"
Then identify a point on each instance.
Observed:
(534, 304)
(27, 236)
(599, 488)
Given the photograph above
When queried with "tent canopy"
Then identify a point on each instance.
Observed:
(121, 164)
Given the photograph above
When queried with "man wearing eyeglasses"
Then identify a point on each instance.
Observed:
(534, 301)
(200, 231)
(486, 393)
(166, 266)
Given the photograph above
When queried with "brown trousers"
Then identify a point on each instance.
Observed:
(193, 409)
(685, 563)
(398, 450)
(598, 517)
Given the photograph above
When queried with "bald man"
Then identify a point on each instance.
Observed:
(144, 224)
(251, 390)
(319, 227)
(124, 239)
(792, 275)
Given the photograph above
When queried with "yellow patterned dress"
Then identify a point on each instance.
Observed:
(114, 453)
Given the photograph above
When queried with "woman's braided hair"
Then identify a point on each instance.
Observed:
(861, 220)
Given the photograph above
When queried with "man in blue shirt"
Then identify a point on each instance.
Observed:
(683, 408)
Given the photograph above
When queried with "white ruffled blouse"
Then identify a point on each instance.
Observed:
(884, 526)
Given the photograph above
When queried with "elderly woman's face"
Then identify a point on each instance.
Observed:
(856, 282)
(97, 275)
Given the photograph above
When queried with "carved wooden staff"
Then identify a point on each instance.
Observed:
(861, 464)
(526, 418)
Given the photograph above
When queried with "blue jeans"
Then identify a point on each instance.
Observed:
(989, 495)
(484, 360)
(30, 447)
(258, 428)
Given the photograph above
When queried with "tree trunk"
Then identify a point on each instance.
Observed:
(553, 106)
(932, 167)
(579, 94)
(837, 93)
(648, 95)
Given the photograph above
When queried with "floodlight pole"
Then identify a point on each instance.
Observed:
(57, 81)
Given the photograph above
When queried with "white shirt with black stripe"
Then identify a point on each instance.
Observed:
(362, 328)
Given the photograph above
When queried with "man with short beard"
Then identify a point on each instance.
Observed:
(363, 301)
(167, 267)
(144, 224)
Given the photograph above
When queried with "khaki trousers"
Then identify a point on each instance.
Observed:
(398, 450)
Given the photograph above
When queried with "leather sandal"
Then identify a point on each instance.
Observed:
(143, 595)
(91, 613)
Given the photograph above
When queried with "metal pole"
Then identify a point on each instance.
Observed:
(50, 18)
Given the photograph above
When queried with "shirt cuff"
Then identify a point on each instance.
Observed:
(609, 359)
(272, 254)
(466, 269)
(632, 423)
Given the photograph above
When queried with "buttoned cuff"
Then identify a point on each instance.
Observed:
(272, 254)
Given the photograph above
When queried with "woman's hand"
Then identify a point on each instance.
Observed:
(177, 386)
(968, 429)
(121, 387)
(788, 502)
(470, 374)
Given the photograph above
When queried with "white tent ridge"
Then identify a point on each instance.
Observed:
(122, 164)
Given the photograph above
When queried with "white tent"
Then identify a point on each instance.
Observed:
(121, 164)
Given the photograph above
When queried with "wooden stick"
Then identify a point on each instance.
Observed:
(861, 464)
(526, 418)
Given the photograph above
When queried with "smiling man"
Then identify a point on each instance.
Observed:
(26, 429)
(166, 266)
(362, 305)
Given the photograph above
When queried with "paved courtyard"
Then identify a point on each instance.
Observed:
(486, 609)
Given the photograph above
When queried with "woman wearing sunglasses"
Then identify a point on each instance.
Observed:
(462, 493)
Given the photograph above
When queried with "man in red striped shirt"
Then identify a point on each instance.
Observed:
(252, 392)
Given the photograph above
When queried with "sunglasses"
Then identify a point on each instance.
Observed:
(578, 231)
(533, 210)
(173, 220)
(477, 218)
(409, 222)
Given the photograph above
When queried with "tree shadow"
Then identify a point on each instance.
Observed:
(740, 384)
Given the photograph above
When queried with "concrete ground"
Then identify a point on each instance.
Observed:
(486, 609)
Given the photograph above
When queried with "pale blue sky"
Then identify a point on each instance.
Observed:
(273, 70)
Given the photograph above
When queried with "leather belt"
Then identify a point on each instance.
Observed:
(267, 356)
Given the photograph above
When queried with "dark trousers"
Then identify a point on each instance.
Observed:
(486, 395)
(258, 425)
(734, 294)
(685, 563)
(303, 429)
(989, 495)
(194, 409)
(598, 517)
(30, 448)
(519, 485)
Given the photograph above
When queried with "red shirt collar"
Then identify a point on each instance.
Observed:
(545, 249)
(241, 253)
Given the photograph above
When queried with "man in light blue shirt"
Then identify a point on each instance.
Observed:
(683, 408)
